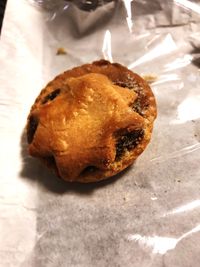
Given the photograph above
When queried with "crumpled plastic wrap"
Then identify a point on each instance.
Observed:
(150, 214)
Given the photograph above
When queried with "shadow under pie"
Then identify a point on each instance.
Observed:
(34, 170)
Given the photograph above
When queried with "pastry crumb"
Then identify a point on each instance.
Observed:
(150, 78)
(61, 51)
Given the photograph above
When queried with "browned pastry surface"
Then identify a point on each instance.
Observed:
(91, 122)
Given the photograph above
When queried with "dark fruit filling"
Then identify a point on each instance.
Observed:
(128, 84)
(137, 107)
(51, 96)
(50, 163)
(88, 170)
(141, 104)
(128, 141)
(32, 127)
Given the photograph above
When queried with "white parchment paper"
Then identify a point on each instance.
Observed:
(150, 214)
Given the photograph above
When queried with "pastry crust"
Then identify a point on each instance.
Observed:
(91, 122)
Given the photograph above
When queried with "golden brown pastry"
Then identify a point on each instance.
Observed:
(91, 122)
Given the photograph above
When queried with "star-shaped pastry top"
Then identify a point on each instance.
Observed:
(79, 127)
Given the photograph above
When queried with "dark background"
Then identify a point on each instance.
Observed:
(2, 8)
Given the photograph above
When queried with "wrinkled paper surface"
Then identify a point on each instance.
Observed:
(150, 214)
